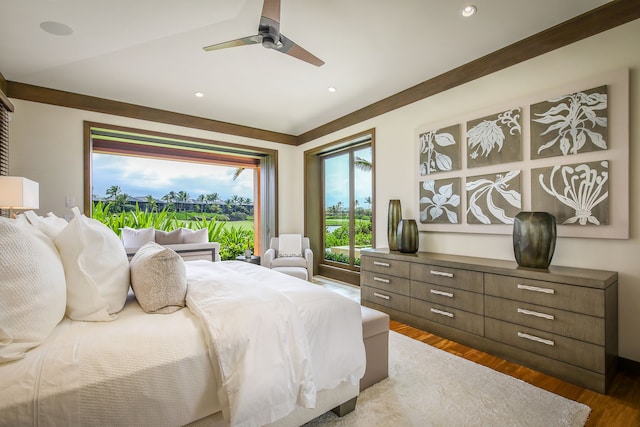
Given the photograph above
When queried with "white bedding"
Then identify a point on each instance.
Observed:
(276, 339)
(141, 369)
(155, 369)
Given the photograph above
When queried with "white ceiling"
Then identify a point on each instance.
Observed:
(149, 52)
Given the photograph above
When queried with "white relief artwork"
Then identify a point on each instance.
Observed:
(498, 199)
(573, 121)
(441, 203)
(582, 188)
(439, 150)
(488, 136)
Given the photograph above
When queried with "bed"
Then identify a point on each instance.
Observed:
(251, 347)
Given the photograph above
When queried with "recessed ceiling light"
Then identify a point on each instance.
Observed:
(199, 94)
(56, 28)
(332, 89)
(469, 10)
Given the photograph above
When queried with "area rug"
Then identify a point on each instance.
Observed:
(430, 387)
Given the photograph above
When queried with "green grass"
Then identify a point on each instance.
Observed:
(244, 224)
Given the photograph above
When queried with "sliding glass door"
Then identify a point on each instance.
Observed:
(347, 196)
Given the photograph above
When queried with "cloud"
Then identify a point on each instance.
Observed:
(138, 176)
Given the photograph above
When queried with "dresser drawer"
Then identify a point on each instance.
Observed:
(450, 297)
(459, 319)
(549, 294)
(398, 285)
(548, 319)
(388, 299)
(385, 266)
(574, 352)
(445, 276)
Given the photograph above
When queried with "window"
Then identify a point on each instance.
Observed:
(153, 146)
(339, 211)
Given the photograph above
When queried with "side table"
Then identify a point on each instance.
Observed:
(253, 260)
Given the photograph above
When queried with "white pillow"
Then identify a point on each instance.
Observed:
(195, 236)
(169, 237)
(51, 225)
(136, 237)
(290, 245)
(158, 279)
(32, 288)
(96, 268)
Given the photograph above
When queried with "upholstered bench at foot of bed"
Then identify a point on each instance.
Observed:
(375, 332)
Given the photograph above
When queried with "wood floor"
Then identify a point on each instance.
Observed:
(620, 407)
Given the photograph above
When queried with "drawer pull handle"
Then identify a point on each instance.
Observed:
(382, 264)
(380, 279)
(536, 289)
(444, 313)
(444, 294)
(535, 313)
(441, 273)
(387, 297)
(535, 338)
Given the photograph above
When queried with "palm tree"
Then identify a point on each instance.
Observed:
(170, 198)
(362, 164)
(182, 197)
(237, 173)
(213, 198)
(202, 199)
(113, 191)
(151, 203)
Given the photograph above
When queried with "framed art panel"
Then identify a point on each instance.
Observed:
(439, 150)
(487, 191)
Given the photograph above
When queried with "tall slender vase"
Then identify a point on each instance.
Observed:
(534, 239)
(395, 215)
(408, 238)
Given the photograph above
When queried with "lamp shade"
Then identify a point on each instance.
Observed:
(19, 193)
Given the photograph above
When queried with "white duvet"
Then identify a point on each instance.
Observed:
(275, 340)
(156, 369)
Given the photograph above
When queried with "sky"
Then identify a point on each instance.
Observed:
(138, 177)
(337, 180)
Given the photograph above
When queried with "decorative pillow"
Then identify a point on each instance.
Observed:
(32, 288)
(158, 279)
(169, 237)
(289, 245)
(195, 236)
(51, 225)
(96, 269)
(136, 237)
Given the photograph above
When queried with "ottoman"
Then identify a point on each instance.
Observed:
(375, 333)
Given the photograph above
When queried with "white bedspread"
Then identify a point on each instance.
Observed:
(276, 339)
(139, 370)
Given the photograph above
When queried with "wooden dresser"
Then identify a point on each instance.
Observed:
(562, 321)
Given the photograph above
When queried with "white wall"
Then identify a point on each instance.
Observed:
(46, 145)
(395, 145)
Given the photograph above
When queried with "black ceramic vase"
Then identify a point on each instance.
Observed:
(395, 215)
(408, 236)
(534, 239)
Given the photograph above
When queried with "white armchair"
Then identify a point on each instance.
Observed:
(288, 256)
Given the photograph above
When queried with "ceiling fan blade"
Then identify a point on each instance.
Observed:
(234, 43)
(290, 48)
(271, 10)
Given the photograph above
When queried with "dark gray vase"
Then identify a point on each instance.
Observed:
(408, 239)
(534, 239)
(395, 215)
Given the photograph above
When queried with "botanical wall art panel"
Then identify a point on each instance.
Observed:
(439, 150)
(557, 154)
(493, 198)
(440, 201)
(495, 139)
(570, 124)
(576, 194)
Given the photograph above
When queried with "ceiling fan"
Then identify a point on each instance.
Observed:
(270, 37)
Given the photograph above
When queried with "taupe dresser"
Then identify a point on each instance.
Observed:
(562, 321)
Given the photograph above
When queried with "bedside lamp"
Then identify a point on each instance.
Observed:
(18, 193)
